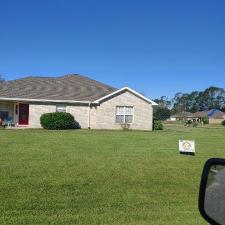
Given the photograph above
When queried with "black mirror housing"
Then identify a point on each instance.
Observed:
(211, 193)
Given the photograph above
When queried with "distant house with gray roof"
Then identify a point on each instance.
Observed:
(182, 116)
(92, 103)
(215, 116)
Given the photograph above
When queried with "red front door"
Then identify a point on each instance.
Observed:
(23, 114)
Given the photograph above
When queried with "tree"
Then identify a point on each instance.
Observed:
(193, 105)
(163, 101)
(178, 103)
(212, 97)
(161, 113)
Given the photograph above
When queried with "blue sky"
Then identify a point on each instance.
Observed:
(156, 47)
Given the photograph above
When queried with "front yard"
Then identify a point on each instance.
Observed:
(103, 177)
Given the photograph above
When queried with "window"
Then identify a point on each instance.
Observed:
(124, 114)
(60, 108)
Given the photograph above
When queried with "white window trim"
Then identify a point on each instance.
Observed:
(124, 114)
(60, 105)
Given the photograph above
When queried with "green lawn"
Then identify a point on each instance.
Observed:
(103, 177)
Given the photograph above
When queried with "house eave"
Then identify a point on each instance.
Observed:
(98, 101)
(44, 100)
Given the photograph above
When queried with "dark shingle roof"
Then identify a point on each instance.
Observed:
(183, 115)
(201, 114)
(213, 114)
(218, 115)
(68, 87)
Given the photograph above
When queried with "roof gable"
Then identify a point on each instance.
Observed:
(216, 114)
(121, 91)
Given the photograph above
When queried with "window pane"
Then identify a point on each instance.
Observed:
(119, 119)
(60, 108)
(120, 110)
(129, 110)
(128, 119)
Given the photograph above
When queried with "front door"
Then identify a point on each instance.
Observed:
(23, 114)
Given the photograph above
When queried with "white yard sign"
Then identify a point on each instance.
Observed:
(187, 146)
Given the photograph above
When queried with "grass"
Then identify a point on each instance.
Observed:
(103, 177)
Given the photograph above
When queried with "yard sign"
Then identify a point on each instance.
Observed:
(186, 146)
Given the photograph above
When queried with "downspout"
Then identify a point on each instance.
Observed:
(89, 115)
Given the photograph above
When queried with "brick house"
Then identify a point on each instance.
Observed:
(93, 104)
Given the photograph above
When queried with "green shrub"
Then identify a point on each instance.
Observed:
(195, 124)
(223, 123)
(157, 125)
(161, 113)
(205, 120)
(188, 122)
(58, 121)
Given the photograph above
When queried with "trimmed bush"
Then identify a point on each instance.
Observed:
(58, 121)
(205, 120)
(157, 125)
(223, 123)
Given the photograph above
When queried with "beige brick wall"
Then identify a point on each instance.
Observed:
(103, 116)
(35, 112)
(215, 121)
(80, 114)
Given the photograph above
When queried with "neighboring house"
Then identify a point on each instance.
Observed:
(215, 116)
(93, 104)
(182, 116)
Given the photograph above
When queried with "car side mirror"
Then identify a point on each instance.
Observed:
(212, 192)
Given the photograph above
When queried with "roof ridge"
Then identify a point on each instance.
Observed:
(31, 76)
(61, 77)
(48, 77)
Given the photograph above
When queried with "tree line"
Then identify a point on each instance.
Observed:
(210, 98)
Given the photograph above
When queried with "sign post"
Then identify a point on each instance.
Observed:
(187, 147)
